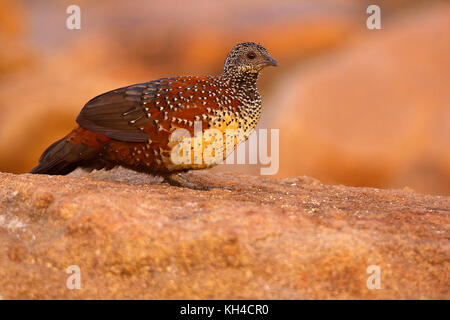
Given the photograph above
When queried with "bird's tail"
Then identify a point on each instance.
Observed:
(77, 149)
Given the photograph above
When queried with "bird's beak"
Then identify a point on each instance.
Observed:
(271, 61)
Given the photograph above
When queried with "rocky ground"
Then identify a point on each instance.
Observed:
(295, 238)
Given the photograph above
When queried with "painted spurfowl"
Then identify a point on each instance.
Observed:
(135, 126)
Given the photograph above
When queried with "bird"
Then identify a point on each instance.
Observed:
(133, 126)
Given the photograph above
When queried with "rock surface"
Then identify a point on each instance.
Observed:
(293, 238)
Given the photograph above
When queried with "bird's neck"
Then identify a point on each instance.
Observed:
(244, 88)
(240, 80)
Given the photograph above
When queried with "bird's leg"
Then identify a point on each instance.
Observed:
(176, 179)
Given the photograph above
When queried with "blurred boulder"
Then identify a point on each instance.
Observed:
(376, 113)
(15, 52)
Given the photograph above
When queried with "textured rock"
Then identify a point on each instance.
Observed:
(293, 238)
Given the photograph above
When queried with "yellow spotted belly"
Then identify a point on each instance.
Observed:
(209, 148)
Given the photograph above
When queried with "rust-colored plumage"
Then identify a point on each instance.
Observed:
(132, 126)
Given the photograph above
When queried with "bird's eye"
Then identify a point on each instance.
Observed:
(251, 55)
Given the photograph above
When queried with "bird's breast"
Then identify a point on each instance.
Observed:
(208, 145)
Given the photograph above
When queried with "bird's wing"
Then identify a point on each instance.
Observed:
(121, 114)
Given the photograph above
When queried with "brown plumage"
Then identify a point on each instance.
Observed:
(132, 126)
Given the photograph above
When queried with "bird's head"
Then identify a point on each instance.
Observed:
(248, 57)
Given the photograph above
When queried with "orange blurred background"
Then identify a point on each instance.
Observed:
(354, 106)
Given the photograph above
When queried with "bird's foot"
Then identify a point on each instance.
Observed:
(177, 180)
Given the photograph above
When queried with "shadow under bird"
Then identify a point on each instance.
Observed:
(132, 126)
